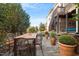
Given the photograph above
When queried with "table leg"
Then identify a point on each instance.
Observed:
(15, 51)
(34, 47)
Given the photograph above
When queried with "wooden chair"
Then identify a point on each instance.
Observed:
(24, 47)
(39, 39)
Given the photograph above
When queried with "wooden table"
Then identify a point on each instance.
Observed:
(27, 36)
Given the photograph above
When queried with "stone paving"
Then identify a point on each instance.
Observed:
(48, 49)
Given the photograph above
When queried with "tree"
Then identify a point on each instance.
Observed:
(32, 29)
(13, 18)
(75, 16)
(36, 28)
(41, 27)
(2, 37)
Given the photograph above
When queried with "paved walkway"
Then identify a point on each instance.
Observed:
(48, 49)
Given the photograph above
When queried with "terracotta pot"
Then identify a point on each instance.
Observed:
(53, 41)
(77, 49)
(67, 50)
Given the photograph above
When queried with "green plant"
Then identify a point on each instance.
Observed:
(43, 33)
(13, 19)
(31, 30)
(42, 27)
(2, 37)
(52, 34)
(66, 39)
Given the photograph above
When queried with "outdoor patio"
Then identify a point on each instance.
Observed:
(48, 49)
(56, 36)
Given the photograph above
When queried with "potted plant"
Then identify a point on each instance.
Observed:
(53, 38)
(46, 34)
(77, 38)
(67, 45)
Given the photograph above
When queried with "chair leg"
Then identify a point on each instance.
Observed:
(41, 50)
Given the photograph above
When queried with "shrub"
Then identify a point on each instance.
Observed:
(52, 34)
(43, 33)
(2, 37)
(31, 30)
(42, 27)
(66, 39)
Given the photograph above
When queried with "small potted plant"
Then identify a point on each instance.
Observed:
(67, 45)
(46, 34)
(53, 38)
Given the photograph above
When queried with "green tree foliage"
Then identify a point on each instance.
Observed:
(41, 27)
(13, 18)
(77, 5)
(2, 37)
(32, 29)
(36, 28)
(75, 16)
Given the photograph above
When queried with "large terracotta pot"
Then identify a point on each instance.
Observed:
(77, 49)
(53, 41)
(67, 50)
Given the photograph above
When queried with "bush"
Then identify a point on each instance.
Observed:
(43, 33)
(2, 37)
(42, 27)
(52, 34)
(66, 39)
(31, 30)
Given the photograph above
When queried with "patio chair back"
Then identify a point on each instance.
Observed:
(39, 39)
(25, 47)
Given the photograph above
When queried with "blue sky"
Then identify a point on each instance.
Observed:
(37, 12)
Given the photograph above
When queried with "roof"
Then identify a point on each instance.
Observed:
(51, 10)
